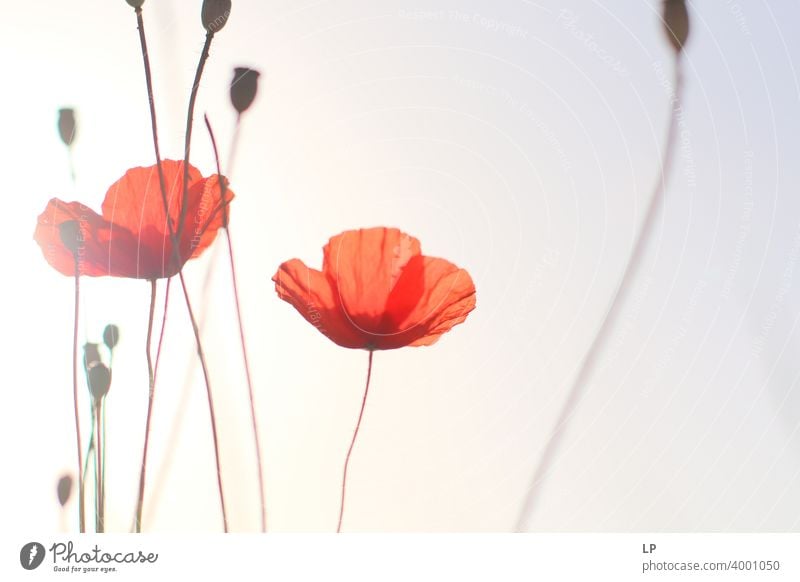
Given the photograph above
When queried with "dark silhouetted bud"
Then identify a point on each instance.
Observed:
(70, 233)
(244, 88)
(64, 489)
(99, 380)
(111, 336)
(135, 3)
(66, 125)
(91, 356)
(215, 14)
(676, 23)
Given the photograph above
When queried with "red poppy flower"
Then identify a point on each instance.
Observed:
(131, 238)
(376, 291)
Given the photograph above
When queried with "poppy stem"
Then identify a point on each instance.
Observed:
(204, 366)
(189, 125)
(99, 481)
(81, 501)
(234, 281)
(150, 398)
(175, 238)
(589, 361)
(353, 442)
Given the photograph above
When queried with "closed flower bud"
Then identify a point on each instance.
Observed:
(244, 88)
(215, 14)
(99, 381)
(135, 3)
(111, 336)
(70, 233)
(64, 489)
(91, 356)
(66, 125)
(676, 23)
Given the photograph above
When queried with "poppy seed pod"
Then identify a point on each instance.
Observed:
(64, 489)
(244, 88)
(91, 356)
(70, 233)
(99, 381)
(676, 23)
(215, 14)
(66, 125)
(135, 3)
(111, 336)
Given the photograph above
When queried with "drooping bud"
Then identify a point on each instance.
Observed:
(99, 381)
(70, 233)
(111, 336)
(244, 88)
(676, 23)
(215, 14)
(66, 125)
(135, 3)
(64, 489)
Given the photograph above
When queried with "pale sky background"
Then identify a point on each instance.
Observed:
(519, 140)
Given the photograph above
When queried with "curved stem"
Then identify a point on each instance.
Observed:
(353, 442)
(81, 500)
(210, 400)
(189, 124)
(250, 391)
(150, 399)
(174, 238)
(243, 343)
(589, 362)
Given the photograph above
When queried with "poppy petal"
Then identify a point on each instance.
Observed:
(203, 215)
(310, 292)
(431, 297)
(364, 266)
(96, 255)
(135, 202)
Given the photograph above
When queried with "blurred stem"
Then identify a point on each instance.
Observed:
(81, 501)
(174, 239)
(150, 398)
(590, 359)
(99, 469)
(353, 442)
(243, 343)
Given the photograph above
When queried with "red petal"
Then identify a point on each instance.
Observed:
(313, 296)
(136, 203)
(97, 256)
(203, 215)
(431, 296)
(364, 266)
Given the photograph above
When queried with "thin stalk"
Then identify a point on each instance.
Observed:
(212, 415)
(353, 442)
(590, 359)
(175, 238)
(100, 484)
(150, 399)
(189, 125)
(81, 501)
(242, 341)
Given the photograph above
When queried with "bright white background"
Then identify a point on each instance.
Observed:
(517, 139)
